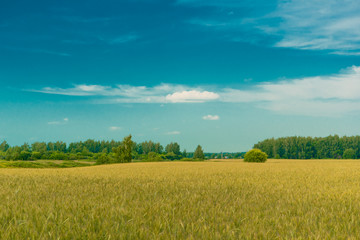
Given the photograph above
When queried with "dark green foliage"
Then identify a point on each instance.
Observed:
(4, 146)
(45, 164)
(191, 160)
(13, 153)
(102, 158)
(171, 156)
(184, 153)
(199, 153)
(226, 155)
(102, 151)
(255, 155)
(35, 155)
(148, 146)
(25, 147)
(331, 147)
(25, 155)
(58, 156)
(39, 147)
(174, 148)
(349, 154)
(123, 152)
(154, 157)
(2, 155)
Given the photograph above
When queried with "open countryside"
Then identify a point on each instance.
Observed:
(179, 119)
(183, 200)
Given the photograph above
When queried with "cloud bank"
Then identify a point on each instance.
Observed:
(319, 95)
(163, 93)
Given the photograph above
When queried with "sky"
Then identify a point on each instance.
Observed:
(223, 74)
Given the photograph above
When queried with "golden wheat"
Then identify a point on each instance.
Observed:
(183, 200)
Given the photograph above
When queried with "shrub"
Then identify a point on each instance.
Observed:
(25, 155)
(349, 154)
(172, 156)
(153, 157)
(58, 156)
(255, 155)
(35, 155)
(103, 158)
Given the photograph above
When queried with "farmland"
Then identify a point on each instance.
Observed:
(183, 200)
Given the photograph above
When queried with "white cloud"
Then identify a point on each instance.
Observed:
(319, 24)
(331, 25)
(320, 95)
(211, 117)
(173, 133)
(192, 96)
(91, 88)
(163, 93)
(64, 121)
(115, 128)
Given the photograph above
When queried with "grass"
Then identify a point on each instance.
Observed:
(184, 200)
(44, 164)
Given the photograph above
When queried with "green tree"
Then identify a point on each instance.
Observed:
(173, 147)
(4, 146)
(199, 153)
(25, 147)
(39, 147)
(25, 155)
(123, 151)
(171, 156)
(13, 153)
(154, 157)
(184, 153)
(349, 154)
(103, 158)
(35, 155)
(255, 155)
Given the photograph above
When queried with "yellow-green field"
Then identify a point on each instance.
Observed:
(183, 200)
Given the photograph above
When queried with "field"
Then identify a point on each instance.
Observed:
(45, 164)
(183, 200)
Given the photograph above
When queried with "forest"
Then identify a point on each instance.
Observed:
(106, 151)
(330, 147)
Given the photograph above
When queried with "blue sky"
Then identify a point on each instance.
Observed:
(223, 74)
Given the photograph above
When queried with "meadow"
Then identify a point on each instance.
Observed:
(304, 199)
(46, 164)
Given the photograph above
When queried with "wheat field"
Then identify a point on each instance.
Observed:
(184, 200)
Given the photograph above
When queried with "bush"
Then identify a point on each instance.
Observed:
(58, 156)
(103, 158)
(154, 157)
(25, 155)
(349, 154)
(35, 155)
(255, 155)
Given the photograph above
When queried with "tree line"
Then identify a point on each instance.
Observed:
(101, 151)
(331, 147)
